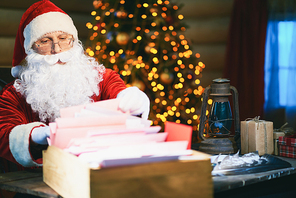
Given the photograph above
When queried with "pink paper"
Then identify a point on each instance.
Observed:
(90, 121)
(116, 139)
(69, 112)
(48, 141)
(100, 138)
(53, 127)
(102, 109)
(178, 132)
(119, 130)
(78, 146)
(53, 130)
(111, 104)
(138, 150)
(152, 129)
(63, 136)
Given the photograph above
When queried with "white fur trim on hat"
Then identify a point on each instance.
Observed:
(47, 23)
(19, 138)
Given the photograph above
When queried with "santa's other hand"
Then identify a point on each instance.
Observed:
(39, 135)
(135, 101)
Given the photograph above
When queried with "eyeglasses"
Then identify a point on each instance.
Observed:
(46, 44)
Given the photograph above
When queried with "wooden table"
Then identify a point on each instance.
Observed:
(31, 182)
(27, 182)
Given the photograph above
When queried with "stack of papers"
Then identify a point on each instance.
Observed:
(103, 136)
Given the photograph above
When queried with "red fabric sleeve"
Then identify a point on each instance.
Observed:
(14, 111)
(111, 85)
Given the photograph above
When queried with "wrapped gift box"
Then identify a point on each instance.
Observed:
(257, 135)
(287, 146)
(276, 135)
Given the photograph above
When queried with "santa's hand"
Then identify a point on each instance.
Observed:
(39, 135)
(135, 101)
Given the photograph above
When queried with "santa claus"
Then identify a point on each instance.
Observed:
(52, 72)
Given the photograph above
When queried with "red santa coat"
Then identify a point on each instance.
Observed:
(17, 120)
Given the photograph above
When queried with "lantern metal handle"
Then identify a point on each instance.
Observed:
(236, 114)
(203, 116)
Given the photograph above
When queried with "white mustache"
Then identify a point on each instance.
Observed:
(63, 57)
(52, 59)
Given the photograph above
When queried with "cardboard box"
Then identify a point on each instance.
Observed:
(71, 177)
(276, 135)
(257, 135)
(287, 146)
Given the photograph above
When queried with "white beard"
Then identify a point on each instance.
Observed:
(48, 86)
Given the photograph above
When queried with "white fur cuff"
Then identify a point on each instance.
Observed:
(16, 70)
(19, 139)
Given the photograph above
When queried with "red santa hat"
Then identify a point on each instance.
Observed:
(42, 17)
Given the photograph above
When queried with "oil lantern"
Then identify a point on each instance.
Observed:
(215, 129)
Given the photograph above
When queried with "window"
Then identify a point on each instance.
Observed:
(279, 67)
(285, 32)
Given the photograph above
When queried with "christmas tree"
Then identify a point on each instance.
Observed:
(143, 40)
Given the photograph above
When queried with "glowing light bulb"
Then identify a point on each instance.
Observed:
(159, 2)
(180, 16)
(91, 53)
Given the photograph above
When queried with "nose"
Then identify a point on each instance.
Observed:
(55, 48)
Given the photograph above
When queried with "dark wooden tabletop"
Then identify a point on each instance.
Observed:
(31, 182)
(27, 182)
